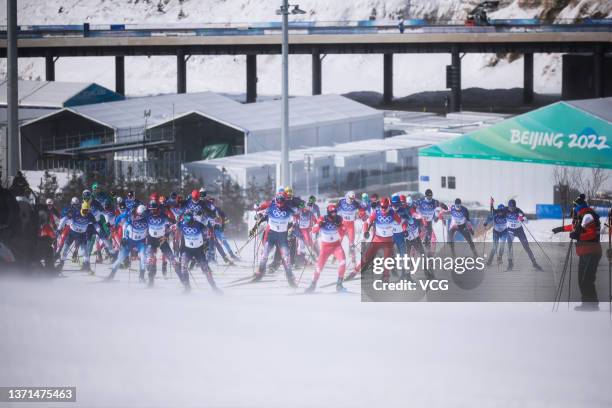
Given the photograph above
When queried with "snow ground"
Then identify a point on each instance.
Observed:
(124, 345)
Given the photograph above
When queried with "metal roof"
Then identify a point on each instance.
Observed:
(46, 94)
(304, 111)
(600, 107)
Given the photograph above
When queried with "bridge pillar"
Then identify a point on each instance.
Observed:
(120, 74)
(387, 78)
(316, 74)
(455, 99)
(251, 78)
(598, 72)
(528, 78)
(49, 68)
(181, 72)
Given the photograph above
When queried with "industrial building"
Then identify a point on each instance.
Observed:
(39, 98)
(152, 136)
(522, 157)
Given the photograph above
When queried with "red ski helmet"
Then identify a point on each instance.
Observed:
(331, 209)
(195, 195)
(384, 203)
(154, 197)
(403, 198)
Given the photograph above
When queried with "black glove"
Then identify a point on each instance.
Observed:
(123, 241)
(574, 235)
(366, 235)
(253, 232)
(556, 230)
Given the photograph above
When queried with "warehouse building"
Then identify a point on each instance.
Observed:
(150, 137)
(39, 98)
(525, 157)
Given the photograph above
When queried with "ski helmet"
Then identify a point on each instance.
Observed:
(131, 194)
(580, 202)
(173, 195)
(140, 210)
(384, 203)
(86, 195)
(365, 197)
(95, 186)
(500, 207)
(119, 200)
(75, 201)
(154, 196)
(512, 203)
(281, 190)
(350, 196)
(312, 199)
(409, 200)
(374, 197)
(403, 198)
(84, 208)
(395, 199)
(428, 193)
(195, 195)
(331, 209)
(457, 201)
(49, 201)
(202, 192)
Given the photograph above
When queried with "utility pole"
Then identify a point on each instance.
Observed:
(12, 135)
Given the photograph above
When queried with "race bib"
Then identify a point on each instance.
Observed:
(304, 223)
(137, 235)
(348, 216)
(194, 241)
(80, 228)
(278, 225)
(329, 236)
(384, 231)
(513, 223)
(157, 231)
(397, 228)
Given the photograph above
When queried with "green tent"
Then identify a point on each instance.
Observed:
(564, 133)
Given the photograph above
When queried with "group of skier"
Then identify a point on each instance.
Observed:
(189, 232)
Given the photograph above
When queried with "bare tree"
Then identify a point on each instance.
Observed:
(597, 179)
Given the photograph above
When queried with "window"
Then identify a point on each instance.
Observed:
(325, 172)
(451, 182)
(443, 182)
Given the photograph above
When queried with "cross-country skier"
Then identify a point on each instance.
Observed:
(381, 219)
(278, 214)
(500, 232)
(134, 236)
(585, 229)
(348, 209)
(414, 245)
(331, 229)
(514, 219)
(399, 236)
(312, 204)
(131, 202)
(79, 221)
(305, 220)
(429, 210)
(157, 237)
(192, 236)
(461, 223)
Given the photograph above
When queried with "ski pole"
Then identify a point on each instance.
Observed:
(539, 246)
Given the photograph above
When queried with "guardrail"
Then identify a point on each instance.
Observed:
(305, 27)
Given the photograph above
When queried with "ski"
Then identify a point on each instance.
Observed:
(250, 282)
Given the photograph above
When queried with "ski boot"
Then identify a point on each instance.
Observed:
(500, 260)
(86, 267)
(257, 276)
(339, 287)
(510, 265)
(228, 261)
(291, 280)
(165, 270)
(59, 266)
(216, 290)
(110, 277)
(141, 277)
(587, 307)
(99, 257)
(489, 261)
(311, 288)
(537, 267)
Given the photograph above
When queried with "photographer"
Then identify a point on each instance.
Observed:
(585, 230)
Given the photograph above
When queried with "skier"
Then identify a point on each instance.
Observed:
(134, 237)
(414, 245)
(399, 236)
(461, 223)
(585, 229)
(62, 233)
(219, 228)
(192, 236)
(500, 232)
(131, 202)
(278, 214)
(305, 220)
(429, 210)
(514, 219)
(51, 222)
(312, 204)
(79, 222)
(331, 229)
(381, 219)
(348, 208)
(157, 237)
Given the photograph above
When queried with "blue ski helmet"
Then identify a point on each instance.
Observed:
(512, 203)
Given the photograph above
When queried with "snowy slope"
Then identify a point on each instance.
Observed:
(414, 73)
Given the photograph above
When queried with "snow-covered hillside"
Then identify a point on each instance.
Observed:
(341, 73)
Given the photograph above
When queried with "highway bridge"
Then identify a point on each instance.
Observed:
(318, 39)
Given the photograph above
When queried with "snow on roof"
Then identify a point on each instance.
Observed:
(600, 107)
(46, 94)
